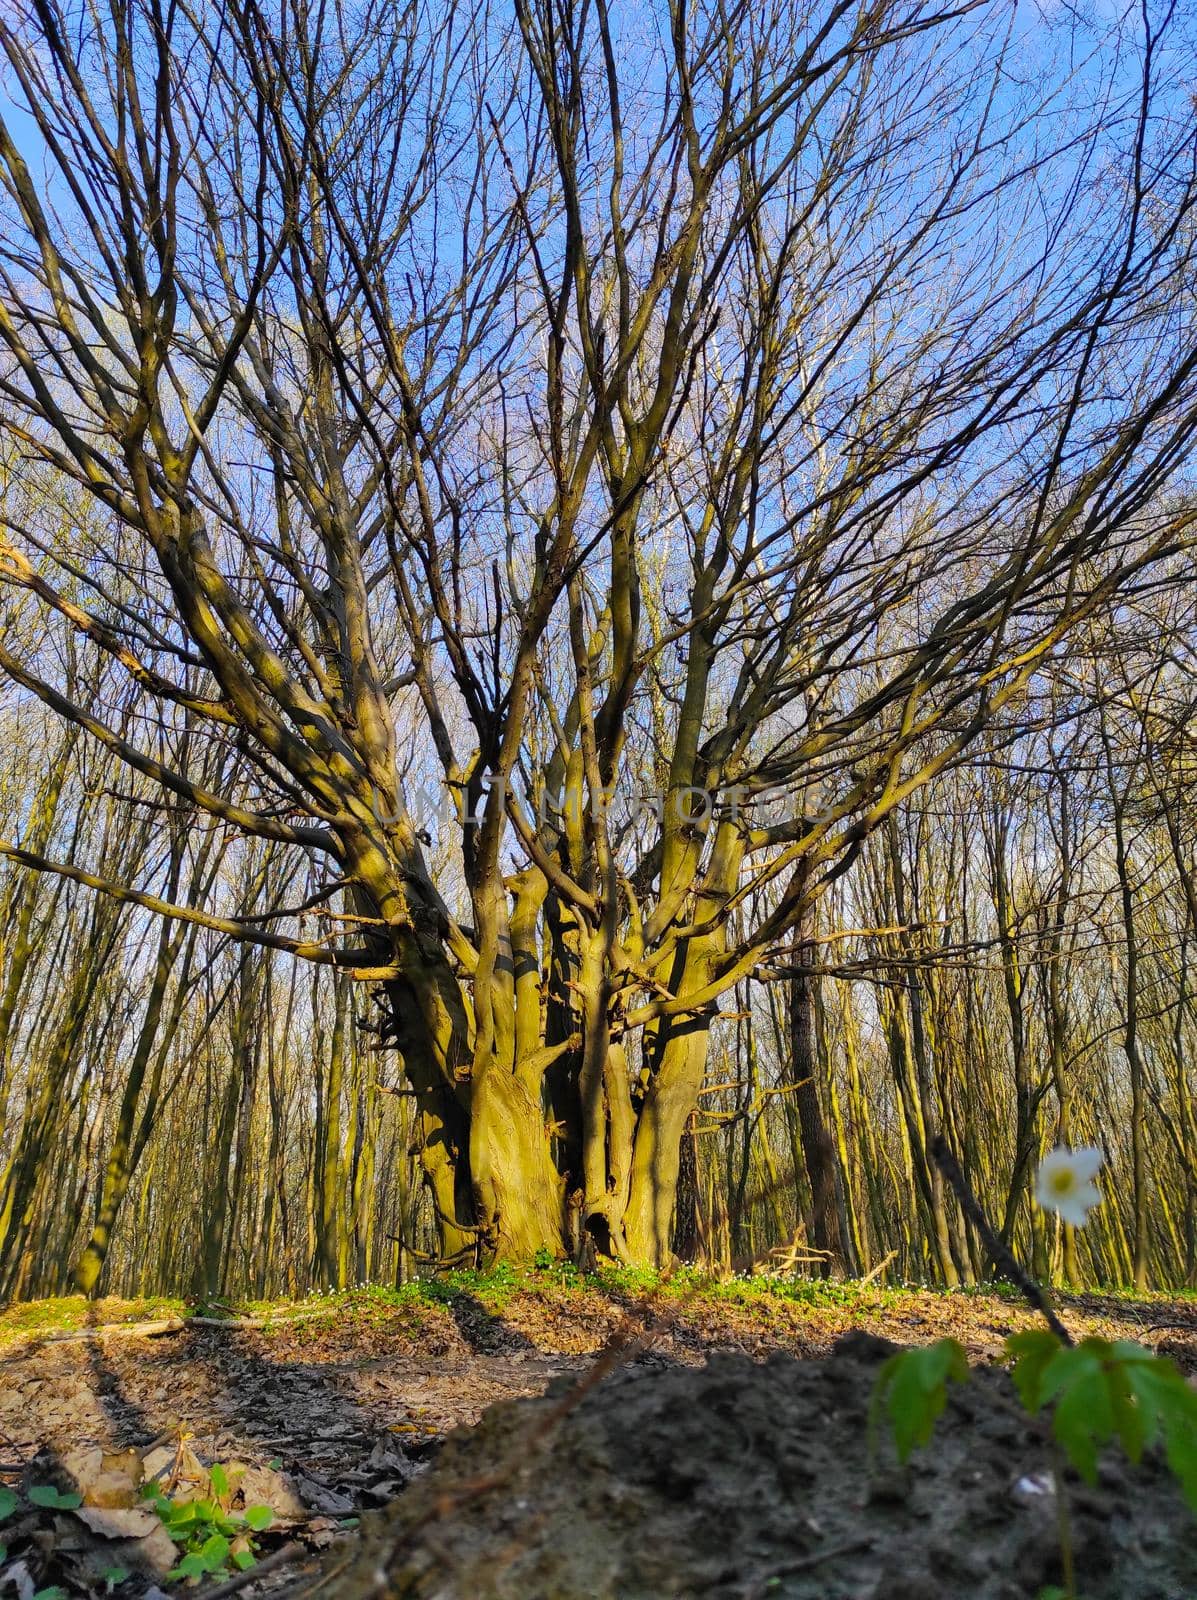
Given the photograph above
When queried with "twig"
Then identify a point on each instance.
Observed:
(846, 1547)
(877, 1270)
(1000, 1253)
(428, 1260)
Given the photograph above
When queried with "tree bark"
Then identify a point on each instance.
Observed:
(818, 1151)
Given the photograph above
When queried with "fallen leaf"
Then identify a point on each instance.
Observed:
(103, 1477)
(262, 1486)
(95, 1541)
(119, 1523)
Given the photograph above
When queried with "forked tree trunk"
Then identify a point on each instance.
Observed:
(500, 1178)
(484, 1150)
(527, 1120)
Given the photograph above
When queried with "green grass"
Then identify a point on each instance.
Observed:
(1113, 1291)
(499, 1289)
(496, 1289)
(423, 1299)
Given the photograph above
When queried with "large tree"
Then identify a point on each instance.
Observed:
(672, 432)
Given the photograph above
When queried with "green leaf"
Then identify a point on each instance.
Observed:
(259, 1518)
(1030, 1352)
(45, 1494)
(1104, 1391)
(214, 1552)
(1084, 1416)
(1180, 1446)
(8, 1503)
(912, 1385)
(1134, 1422)
(1176, 1409)
(180, 1519)
(54, 1592)
(190, 1567)
(243, 1559)
(219, 1480)
(114, 1575)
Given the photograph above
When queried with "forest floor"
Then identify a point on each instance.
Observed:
(328, 1408)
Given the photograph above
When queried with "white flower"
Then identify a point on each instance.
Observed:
(1065, 1183)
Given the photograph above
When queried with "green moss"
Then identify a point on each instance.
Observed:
(72, 1313)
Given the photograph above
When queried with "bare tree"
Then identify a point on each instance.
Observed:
(723, 406)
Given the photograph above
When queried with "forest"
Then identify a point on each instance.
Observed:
(597, 645)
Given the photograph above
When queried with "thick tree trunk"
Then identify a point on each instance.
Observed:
(527, 1126)
(518, 1192)
(484, 1146)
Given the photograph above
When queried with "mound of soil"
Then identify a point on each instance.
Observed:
(742, 1479)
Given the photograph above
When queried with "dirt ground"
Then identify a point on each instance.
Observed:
(671, 1476)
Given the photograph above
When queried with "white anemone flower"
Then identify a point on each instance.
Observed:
(1065, 1183)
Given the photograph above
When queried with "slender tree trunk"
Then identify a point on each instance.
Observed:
(914, 1078)
(1130, 1036)
(118, 1169)
(818, 1151)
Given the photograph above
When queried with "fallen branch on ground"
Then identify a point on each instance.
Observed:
(164, 1326)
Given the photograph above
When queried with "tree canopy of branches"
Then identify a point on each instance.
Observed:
(676, 434)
